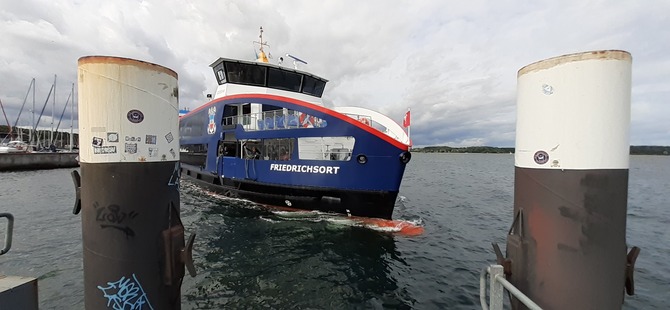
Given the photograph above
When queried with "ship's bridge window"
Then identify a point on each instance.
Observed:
(220, 74)
(312, 86)
(286, 80)
(248, 74)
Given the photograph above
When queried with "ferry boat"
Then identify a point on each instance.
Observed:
(267, 137)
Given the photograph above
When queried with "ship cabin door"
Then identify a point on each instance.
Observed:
(228, 148)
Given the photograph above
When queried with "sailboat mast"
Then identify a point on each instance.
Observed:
(72, 118)
(53, 108)
(32, 132)
(8, 124)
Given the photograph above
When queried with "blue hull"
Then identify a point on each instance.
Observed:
(361, 178)
(378, 204)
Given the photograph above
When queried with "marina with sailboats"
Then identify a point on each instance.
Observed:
(24, 145)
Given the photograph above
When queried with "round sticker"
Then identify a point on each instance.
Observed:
(135, 116)
(541, 157)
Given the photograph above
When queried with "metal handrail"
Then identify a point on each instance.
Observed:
(8, 235)
(498, 282)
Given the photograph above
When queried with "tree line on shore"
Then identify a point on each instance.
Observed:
(634, 149)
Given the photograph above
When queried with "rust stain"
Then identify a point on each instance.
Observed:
(554, 61)
(126, 62)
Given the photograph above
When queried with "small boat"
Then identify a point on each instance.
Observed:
(267, 137)
(14, 147)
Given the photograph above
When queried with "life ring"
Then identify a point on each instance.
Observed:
(306, 120)
(364, 121)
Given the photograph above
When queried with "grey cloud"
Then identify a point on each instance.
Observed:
(454, 64)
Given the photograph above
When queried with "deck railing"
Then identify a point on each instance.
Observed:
(497, 287)
(271, 120)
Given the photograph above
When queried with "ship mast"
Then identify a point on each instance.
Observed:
(261, 56)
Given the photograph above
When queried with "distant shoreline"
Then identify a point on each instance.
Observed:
(634, 149)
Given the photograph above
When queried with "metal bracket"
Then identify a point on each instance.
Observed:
(186, 256)
(502, 260)
(517, 224)
(76, 178)
(515, 229)
(8, 234)
(630, 268)
(177, 255)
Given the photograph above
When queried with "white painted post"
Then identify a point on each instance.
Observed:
(497, 291)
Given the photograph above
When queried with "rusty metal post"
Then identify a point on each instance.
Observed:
(128, 192)
(567, 246)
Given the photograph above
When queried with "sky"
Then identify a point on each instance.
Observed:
(454, 63)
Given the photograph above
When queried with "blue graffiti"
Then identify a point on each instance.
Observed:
(126, 294)
(176, 175)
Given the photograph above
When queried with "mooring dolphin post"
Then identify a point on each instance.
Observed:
(566, 248)
(128, 191)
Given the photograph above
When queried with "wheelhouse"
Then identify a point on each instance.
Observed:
(231, 71)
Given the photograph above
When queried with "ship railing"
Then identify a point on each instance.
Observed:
(497, 286)
(366, 119)
(272, 120)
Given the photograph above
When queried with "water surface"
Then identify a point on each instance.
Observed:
(249, 257)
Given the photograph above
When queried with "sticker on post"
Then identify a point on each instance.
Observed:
(110, 149)
(113, 137)
(97, 142)
(131, 148)
(135, 116)
(150, 139)
(541, 157)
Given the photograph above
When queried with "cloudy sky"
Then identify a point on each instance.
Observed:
(454, 63)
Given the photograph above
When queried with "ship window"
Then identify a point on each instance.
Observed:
(193, 154)
(240, 73)
(326, 148)
(229, 115)
(277, 149)
(285, 80)
(220, 75)
(312, 86)
(193, 125)
(269, 107)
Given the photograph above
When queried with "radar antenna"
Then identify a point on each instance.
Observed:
(296, 60)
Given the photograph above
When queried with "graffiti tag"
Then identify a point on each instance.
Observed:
(126, 294)
(113, 217)
(176, 174)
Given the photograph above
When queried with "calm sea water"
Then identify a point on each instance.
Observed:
(250, 258)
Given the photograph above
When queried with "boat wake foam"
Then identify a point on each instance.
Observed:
(401, 227)
(405, 227)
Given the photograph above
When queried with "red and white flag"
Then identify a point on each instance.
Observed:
(405, 121)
